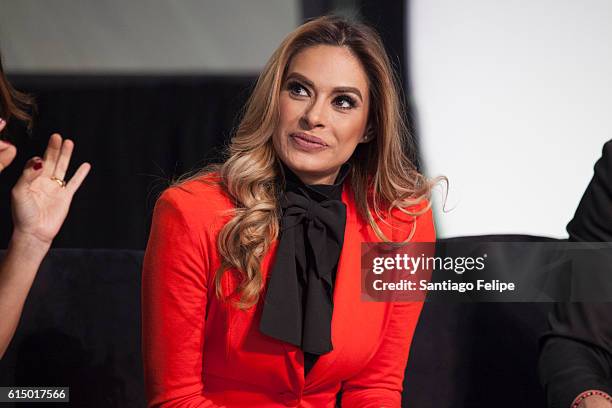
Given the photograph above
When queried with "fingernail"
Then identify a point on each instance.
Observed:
(37, 166)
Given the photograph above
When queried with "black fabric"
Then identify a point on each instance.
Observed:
(298, 302)
(476, 355)
(138, 133)
(577, 350)
(80, 328)
(593, 219)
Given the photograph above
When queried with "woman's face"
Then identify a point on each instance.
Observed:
(323, 112)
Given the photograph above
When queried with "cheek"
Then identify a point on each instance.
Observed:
(288, 117)
(350, 131)
(289, 110)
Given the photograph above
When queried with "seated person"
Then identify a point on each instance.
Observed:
(576, 354)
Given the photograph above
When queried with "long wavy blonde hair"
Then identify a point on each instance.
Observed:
(380, 168)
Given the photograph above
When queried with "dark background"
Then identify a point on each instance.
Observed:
(138, 133)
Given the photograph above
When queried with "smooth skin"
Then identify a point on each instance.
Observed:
(595, 401)
(39, 206)
(324, 94)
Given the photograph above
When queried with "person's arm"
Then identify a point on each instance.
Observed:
(576, 354)
(17, 272)
(572, 360)
(593, 219)
(174, 296)
(380, 383)
(592, 399)
(40, 206)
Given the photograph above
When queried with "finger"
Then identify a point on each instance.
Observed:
(2, 124)
(64, 159)
(76, 180)
(52, 154)
(7, 154)
(31, 171)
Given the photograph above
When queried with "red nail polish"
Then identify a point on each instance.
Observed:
(37, 166)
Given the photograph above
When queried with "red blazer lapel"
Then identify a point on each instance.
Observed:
(351, 318)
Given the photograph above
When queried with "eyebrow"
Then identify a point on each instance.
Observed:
(338, 89)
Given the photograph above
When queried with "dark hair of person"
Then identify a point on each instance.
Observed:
(14, 104)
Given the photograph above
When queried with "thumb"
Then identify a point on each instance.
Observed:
(32, 170)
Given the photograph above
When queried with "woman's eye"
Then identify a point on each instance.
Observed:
(297, 89)
(344, 102)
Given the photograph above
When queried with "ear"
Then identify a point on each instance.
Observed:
(368, 135)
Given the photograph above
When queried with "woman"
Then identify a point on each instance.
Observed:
(251, 279)
(40, 202)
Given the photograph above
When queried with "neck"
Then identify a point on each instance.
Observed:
(309, 178)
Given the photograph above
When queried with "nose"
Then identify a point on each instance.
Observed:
(314, 115)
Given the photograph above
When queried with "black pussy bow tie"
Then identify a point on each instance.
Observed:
(298, 303)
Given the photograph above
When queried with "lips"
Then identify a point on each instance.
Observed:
(308, 138)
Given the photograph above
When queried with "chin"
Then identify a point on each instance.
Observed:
(307, 163)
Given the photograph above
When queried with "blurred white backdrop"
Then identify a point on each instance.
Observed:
(514, 102)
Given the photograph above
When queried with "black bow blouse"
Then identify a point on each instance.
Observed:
(298, 302)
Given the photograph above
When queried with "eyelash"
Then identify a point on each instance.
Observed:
(292, 86)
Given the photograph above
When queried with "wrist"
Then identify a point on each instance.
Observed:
(592, 398)
(28, 244)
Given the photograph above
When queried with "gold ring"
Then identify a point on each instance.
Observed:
(62, 183)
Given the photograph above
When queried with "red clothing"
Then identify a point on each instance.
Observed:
(201, 352)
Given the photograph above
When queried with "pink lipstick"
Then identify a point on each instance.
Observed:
(307, 142)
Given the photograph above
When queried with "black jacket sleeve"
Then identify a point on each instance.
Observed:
(593, 219)
(576, 352)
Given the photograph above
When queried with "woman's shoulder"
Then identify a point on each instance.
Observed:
(409, 212)
(415, 220)
(406, 214)
(201, 197)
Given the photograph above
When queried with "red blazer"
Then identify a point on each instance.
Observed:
(201, 352)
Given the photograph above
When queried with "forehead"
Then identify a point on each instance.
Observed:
(330, 66)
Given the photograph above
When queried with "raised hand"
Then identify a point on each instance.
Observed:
(41, 198)
(7, 150)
